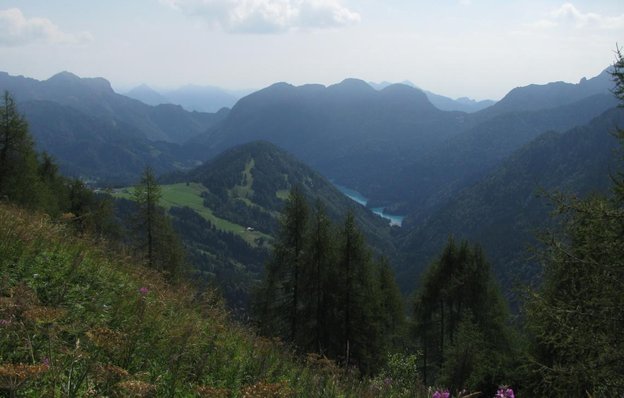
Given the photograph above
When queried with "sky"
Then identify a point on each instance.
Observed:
(475, 48)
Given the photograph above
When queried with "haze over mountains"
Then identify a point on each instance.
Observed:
(463, 104)
(397, 145)
(190, 97)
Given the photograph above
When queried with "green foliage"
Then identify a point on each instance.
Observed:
(392, 312)
(399, 376)
(19, 179)
(357, 301)
(323, 293)
(318, 273)
(154, 233)
(79, 319)
(575, 318)
(33, 180)
(462, 322)
(281, 293)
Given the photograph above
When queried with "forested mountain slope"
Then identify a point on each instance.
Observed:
(462, 160)
(95, 97)
(504, 211)
(228, 210)
(349, 131)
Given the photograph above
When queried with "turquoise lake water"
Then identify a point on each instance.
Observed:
(359, 198)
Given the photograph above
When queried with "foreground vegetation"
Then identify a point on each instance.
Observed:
(78, 320)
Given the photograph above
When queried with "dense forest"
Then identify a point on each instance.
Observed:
(106, 295)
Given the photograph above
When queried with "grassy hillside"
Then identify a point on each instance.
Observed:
(248, 184)
(78, 319)
(189, 195)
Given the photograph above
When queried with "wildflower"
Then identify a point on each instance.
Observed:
(143, 290)
(5, 322)
(46, 362)
(441, 394)
(505, 392)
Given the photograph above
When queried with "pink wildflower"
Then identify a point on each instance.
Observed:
(505, 392)
(143, 290)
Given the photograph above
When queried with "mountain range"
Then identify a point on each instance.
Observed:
(473, 175)
(393, 145)
(98, 134)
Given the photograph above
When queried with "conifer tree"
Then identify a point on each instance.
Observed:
(357, 301)
(281, 293)
(391, 307)
(18, 160)
(155, 235)
(322, 292)
(317, 273)
(459, 299)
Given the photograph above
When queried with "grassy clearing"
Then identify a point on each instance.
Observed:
(189, 195)
(282, 194)
(244, 190)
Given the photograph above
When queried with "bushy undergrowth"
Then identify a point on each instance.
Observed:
(79, 320)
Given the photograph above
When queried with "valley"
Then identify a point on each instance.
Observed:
(375, 195)
(311, 199)
(400, 156)
(380, 211)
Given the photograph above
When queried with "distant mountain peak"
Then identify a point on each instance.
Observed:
(551, 95)
(352, 82)
(93, 83)
(64, 76)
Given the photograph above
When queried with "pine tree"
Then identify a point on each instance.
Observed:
(393, 322)
(155, 235)
(357, 304)
(317, 272)
(280, 305)
(18, 160)
(322, 292)
(458, 299)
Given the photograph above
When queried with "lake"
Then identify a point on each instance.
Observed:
(359, 198)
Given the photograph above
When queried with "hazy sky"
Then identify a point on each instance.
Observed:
(476, 48)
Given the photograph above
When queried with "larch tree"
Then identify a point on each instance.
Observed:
(280, 296)
(461, 318)
(357, 301)
(19, 181)
(318, 271)
(154, 233)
